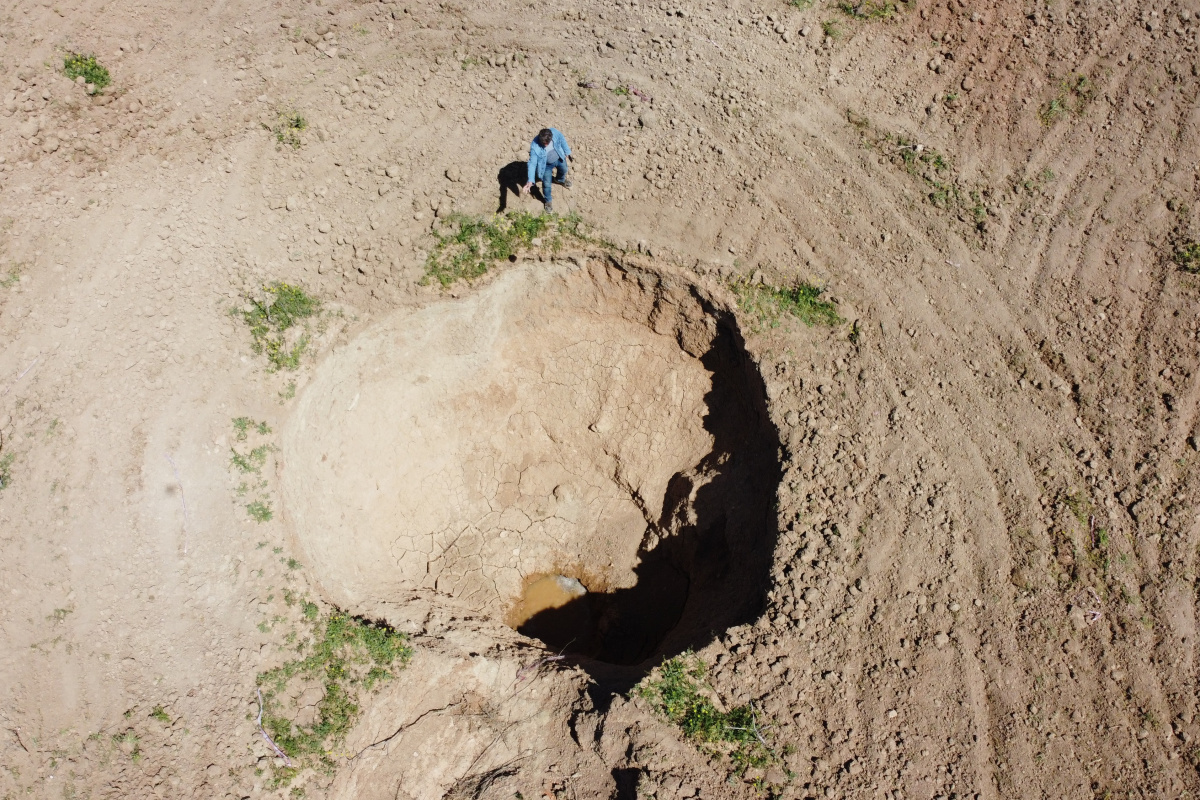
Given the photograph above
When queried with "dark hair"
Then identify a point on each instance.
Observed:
(544, 136)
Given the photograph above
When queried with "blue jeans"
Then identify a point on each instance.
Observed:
(547, 176)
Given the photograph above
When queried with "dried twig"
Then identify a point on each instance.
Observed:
(525, 670)
(287, 761)
(22, 375)
(182, 497)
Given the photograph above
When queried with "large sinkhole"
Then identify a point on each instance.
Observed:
(580, 450)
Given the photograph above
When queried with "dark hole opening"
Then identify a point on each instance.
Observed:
(714, 572)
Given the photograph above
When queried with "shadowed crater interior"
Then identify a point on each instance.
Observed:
(580, 450)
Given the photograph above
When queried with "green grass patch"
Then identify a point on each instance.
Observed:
(77, 65)
(677, 692)
(1187, 256)
(770, 304)
(287, 129)
(467, 246)
(160, 714)
(831, 29)
(346, 657)
(281, 307)
(801, 4)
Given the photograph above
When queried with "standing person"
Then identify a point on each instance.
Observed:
(548, 152)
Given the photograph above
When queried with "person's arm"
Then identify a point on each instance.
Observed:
(560, 143)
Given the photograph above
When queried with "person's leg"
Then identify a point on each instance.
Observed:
(562, 171)
(547, 181)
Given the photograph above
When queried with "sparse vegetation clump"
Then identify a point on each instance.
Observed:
(282, 307)
(6, 461)
(1187, 256)
(769, 304)
(1074, 93)
(76, 65)
(346, 656)
(677, 692)
(288, 127)
(870, 9)
(468, 246)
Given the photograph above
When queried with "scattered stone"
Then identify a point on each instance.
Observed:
(133, 107)
(941, 640)
(50, 145)
(968, 83)
(648, 119)
(453, 175)
(30, 129)
(292, 203)
(324, 227)
(392, 171)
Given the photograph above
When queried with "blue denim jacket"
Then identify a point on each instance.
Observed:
(537, 153)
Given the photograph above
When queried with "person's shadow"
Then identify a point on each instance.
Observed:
(511, 178)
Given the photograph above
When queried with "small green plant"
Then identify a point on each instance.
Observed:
(130, 742)
(348, 655)
(76, 65)
(281, 307)
(161, 715)
(1074, 93)
(801, 4)
(12, 278)
(831, 29)
(676, 691)
(621, 91)
(251, 462)
(260, 511)
(1187, 256)
(6, 461)
(1079, 505)
(770, 303)
(471, 61)
(468, 246)
(287, 129)
(869, 9)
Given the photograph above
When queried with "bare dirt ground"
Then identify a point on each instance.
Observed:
(983, 582)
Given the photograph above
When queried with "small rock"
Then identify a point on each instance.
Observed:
(453, 175)
(50, 145)
(392, 171)
(441, 102)
(324, 227)
(292, 203)
(30, 129)
(968, 83)
(648, 119)
(133, 107)
(792, 417)
(198, 126)
(805, 31)
(941, 640)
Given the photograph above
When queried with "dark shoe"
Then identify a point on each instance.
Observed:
(565, 183)
(547, 208)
